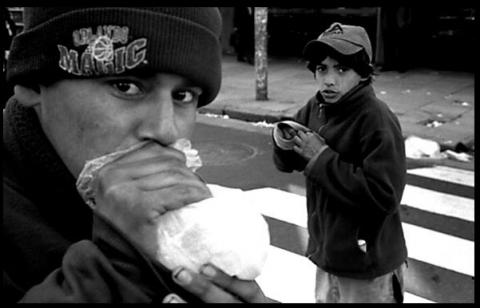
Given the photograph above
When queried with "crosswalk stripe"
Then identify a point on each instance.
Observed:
(440, 249)
(296, 284)
(428, 200)
(444, 173)
(280, 205)
(439, 203)
(423, 244)
(285, 283)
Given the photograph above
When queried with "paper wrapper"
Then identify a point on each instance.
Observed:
(225, 230)
(91, 168)
(283, 143)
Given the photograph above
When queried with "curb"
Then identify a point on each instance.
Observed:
(268, 118)
(242, 115)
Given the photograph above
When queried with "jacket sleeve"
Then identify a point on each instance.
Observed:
(375, 184)
(109, 269)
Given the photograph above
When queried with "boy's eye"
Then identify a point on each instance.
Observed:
(343, 69)
(320, 68)
(127, 87)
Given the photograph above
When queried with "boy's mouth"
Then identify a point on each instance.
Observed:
(329, 93)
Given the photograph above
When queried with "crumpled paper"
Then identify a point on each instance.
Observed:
(226, 230)
(416, 147)
(91, 168)
(284, 143)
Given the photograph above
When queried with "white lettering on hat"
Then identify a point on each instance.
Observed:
(85, 36)
(101, 57)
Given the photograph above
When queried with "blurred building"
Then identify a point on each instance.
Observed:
(439, 37)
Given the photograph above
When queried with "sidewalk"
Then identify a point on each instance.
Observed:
(435, 105)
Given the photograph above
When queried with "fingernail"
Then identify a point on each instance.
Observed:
(208, 270)
(182, 276)
(172, 299)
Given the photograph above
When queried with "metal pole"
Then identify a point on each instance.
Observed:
(261, 56)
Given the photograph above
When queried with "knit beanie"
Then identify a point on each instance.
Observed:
(81, 42)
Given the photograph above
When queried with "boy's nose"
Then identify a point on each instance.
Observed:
(329, 79)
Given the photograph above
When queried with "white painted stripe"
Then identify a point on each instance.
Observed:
(448, 174)
(440, 249)
(428, 200)
(439, 203)
(423, 244)
(290, 278)
(280, 205)
(409, 298)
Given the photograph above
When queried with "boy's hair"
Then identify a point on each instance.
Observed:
(349, 45)
(87, 42)
(359, 61)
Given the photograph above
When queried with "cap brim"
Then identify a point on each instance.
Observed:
(318, 48)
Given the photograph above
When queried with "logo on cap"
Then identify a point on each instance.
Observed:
(335, 29)
(101, 48)
(102, 54)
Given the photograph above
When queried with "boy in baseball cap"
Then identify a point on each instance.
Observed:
(352, 155)
(89, 81)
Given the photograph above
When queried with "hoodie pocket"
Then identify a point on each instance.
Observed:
(345, 247)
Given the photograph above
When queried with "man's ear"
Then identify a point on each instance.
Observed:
(29, 96)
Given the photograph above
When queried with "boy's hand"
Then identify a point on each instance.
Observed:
(288, 133)
(133, 191)
(308, 144)
(214, 286)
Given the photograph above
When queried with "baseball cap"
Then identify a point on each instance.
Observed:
(346, 39)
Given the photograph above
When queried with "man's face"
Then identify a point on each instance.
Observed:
(335, 80)
(87, 118)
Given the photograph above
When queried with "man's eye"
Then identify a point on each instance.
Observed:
(127, 87)
(185, 96)
(320, 68)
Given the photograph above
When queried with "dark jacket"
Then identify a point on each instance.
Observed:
(54, 248)
(355, 186)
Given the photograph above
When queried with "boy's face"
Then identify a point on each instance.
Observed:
(335, 80)
(88, 118)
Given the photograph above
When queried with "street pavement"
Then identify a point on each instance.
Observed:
(430, 104)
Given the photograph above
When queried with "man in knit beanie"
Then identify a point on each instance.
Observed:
(88, 82)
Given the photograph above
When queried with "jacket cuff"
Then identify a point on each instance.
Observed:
(310, 167)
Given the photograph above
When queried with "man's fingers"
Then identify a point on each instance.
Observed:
(202, 287)
(248, 291)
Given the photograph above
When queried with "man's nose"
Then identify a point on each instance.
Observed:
(159, 123)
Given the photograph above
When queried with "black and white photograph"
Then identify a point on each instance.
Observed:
(242, 154)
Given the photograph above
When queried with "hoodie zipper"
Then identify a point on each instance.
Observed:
(322, 117)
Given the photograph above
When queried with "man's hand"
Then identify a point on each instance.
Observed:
(308, 144)
(214, 286)
(133, 191)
